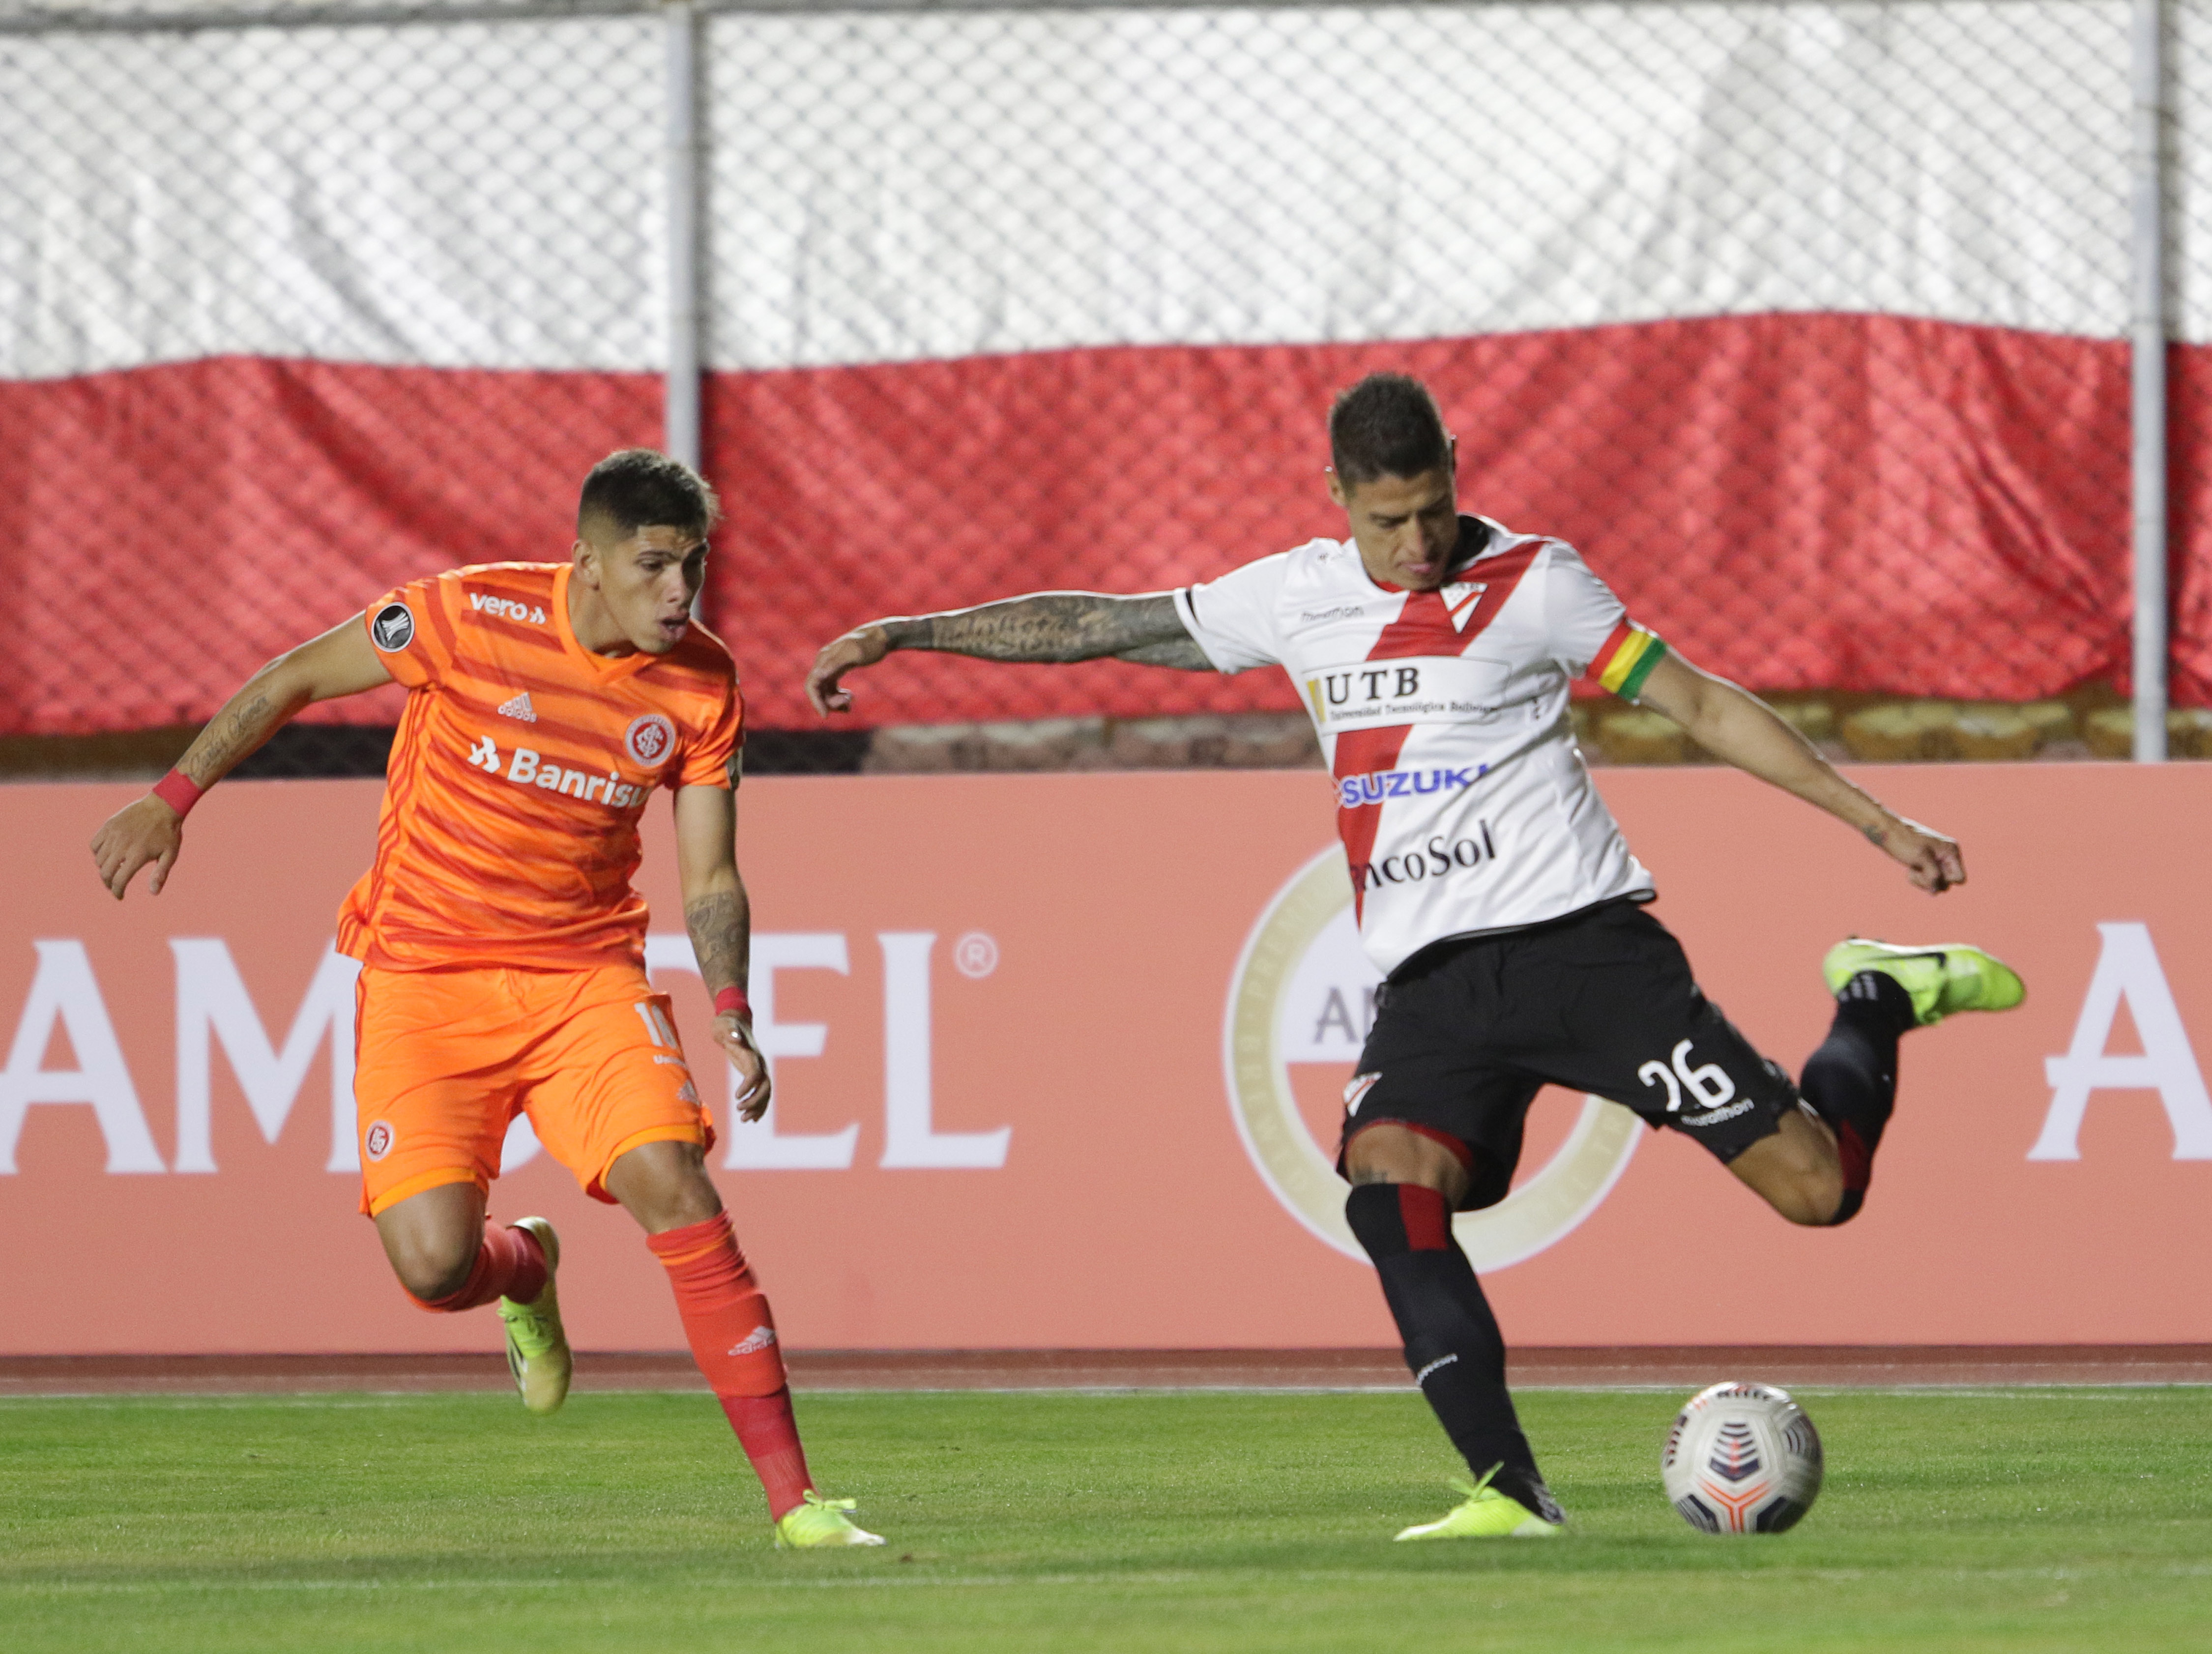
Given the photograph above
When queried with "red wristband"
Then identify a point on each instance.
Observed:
(178, 791)
(731, 1001)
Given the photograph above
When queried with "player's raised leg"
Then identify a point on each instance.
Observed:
(435, 1088)
(448, 1257)
(1406, 1185)
(1883, 992)
(731, 1331)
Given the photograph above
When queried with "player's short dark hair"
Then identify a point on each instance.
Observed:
(642, 488)
(1387, 425)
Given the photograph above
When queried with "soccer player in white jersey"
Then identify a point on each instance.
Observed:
(1434, 653)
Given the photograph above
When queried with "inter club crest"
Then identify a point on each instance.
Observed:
(649, 740)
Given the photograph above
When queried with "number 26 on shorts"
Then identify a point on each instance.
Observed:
(1708, 1084)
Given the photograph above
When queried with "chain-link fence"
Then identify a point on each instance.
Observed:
(1808, 322)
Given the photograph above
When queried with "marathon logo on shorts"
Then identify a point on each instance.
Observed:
(649, 739)
(376, 1141)
(1714, 1118)
(1437, 859)
(1377, 785)
(393, 629)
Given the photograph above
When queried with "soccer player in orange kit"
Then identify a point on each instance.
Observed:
(502, 947)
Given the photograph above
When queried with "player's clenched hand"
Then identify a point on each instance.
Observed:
(862, 646)
(736, 1040)
(148, 830)
(1932, 861)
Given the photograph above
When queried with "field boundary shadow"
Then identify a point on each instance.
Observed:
(1631, 1366)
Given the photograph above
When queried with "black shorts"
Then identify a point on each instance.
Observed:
(1602, 1002)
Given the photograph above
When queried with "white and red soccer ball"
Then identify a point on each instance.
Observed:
(1741, 1459)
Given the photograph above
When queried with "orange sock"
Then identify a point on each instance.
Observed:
(509, 1264)
(732, 1337)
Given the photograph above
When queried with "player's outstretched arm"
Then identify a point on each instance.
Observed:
(1045, 626)
(1738, 728)
(720, 920)
(342, 661)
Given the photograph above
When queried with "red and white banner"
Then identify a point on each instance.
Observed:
(1806, 322)
(1058, 1063)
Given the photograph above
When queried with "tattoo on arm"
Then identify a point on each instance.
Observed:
(1877, 835)
(1053, 627)
(229, 737)
(721, 924)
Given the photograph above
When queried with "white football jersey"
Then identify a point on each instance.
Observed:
(1462, 800)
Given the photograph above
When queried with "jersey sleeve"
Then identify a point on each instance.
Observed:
(410, 632)
(1589, 626)
(1232, 619)
(712, 760)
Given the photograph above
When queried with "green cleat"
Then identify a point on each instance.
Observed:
(819, 1521)
(536, 1347)
(1486, 1513)
(1941, 977)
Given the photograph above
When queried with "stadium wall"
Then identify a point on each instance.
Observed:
(1057, 1059)
(1807, 322)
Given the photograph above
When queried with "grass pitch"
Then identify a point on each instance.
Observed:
(1998, 1519)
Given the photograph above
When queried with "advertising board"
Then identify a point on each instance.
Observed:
(1059, 1064)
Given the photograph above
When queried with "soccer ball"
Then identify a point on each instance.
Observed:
(1741, 1459)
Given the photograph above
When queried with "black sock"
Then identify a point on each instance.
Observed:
(1851, 1080)
(1453, 1346)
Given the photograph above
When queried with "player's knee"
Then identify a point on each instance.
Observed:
(665, 1186)
(1812, 1196)
(1391, 1153)
(432, 1267)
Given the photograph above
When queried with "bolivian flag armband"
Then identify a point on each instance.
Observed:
(1626, 660)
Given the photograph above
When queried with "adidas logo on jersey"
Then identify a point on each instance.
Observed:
(520, 707)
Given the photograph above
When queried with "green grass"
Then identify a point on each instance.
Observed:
(2013, 1520)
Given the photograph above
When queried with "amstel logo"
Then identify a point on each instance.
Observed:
(1301, 994)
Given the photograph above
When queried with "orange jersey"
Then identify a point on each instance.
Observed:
(509, 831)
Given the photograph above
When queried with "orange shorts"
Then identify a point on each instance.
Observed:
(444, 1061)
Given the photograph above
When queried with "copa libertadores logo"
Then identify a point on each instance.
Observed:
(1301, 993)
(393, 629)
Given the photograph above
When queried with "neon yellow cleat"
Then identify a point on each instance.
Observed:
(1486, 1513)
(820, 1521)
(1942, 977)
(536, 1347)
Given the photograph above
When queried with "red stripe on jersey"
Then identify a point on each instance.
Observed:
(1364, 752)
(512, 630)
(1424, 626)
(477, 881)
(438, 621)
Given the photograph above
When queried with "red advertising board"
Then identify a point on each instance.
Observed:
(1057, 1066)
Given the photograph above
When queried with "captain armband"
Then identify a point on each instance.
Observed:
(1626, 660)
